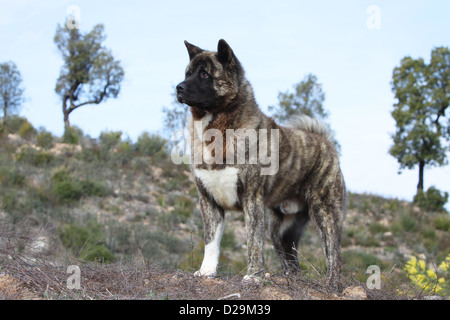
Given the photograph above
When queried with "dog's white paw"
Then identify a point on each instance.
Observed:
(251, 279)
(199, 273)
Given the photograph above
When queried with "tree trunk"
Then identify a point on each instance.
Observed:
(65, 113)
(5, 108)
(421, 169)
(66, 120)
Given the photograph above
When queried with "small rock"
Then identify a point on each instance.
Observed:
(251, 279)
(355, 292)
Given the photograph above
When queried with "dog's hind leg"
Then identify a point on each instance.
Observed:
(285, 232)
(328, 219)
(214, 223)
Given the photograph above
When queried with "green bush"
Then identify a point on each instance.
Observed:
(11, 177)
(92, 188)
(8, 200)
(442, 223)
(377, 228)
(431, 200)
(45, 139)
(110, 140)
(72, 135)
(34, 157)
(150, 144)
(86, 242)
(124, 153)
(408, 222)
(26, 130)
(112, 150)
(66, 188)
(13, 123)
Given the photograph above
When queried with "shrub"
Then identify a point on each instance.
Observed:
(86, 242)
(66, 188)
(34, 156)
(150, 144)
(431, 200)
(92, 188)
(377, 228)
(110, 140)
(442, 223)
(27, 130)
(45, 139)
(124, 153)
(13, 123)
(8, 200)
(11, 177)
(405, 221)
(428, 280)
(408, 222)
(124, 147)
(72, 135)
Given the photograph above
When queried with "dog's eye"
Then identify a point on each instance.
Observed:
(188, 74)
(204, 75)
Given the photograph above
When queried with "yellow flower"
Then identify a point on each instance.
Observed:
(412, 270)
(444, 265)
(437, 289)
(419, 279)
(441, 280)
(431, 274)
(422, 265)
(412, 261)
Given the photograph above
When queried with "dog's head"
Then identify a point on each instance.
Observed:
(212, 79)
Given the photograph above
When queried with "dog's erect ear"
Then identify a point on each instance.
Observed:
(192, 50)
(224, 53)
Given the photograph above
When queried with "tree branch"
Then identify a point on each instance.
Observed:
(94, 101)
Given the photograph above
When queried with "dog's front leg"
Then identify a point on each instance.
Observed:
(254, 223)
(213, 222)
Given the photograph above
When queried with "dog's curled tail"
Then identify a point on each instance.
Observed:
(304, 122)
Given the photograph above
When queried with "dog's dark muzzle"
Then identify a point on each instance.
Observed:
(181, 92)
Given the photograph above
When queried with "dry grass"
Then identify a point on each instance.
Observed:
(44, 276)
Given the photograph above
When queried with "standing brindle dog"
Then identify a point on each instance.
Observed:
(307, 185)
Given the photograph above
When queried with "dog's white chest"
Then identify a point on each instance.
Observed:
(221, 185)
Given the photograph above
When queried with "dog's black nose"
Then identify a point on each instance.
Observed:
(180, 87)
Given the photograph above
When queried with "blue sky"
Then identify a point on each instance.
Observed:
(278, 43)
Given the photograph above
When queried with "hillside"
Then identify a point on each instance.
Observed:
(129, 218)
